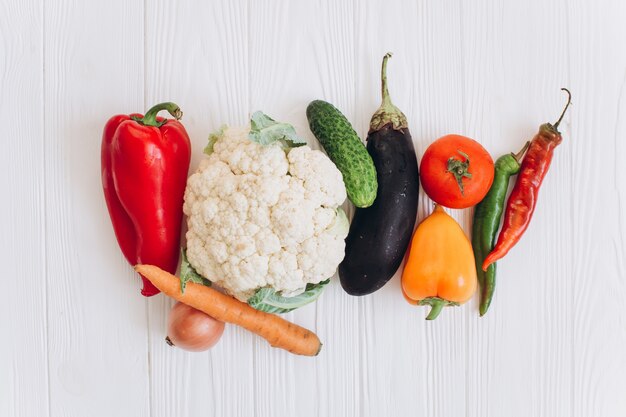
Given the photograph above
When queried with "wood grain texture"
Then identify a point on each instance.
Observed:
(23, 353)
(83, 342)
(538, 269)
(97, 335)
(329, 52)
(197, 56)
(283, 384)
(409, 381)
(598, 72)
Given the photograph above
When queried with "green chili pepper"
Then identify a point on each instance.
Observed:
(487, 221)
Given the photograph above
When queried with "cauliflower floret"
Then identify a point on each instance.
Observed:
(319, 175)
(244, 156)
(259, 215)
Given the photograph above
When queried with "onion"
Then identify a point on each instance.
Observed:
(191, 329)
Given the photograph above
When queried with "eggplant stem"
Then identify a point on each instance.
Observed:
(387, 113)
(383, 78)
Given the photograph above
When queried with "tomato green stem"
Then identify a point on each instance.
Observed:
(150, 119)
(459, 168)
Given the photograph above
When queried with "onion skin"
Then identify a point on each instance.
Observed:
(191, 329)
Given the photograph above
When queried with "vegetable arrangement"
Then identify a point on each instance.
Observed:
(265, 222)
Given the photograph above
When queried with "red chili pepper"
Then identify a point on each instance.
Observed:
(523, 198)
(145, 160)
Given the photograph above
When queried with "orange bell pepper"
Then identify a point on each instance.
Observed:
(440, 268)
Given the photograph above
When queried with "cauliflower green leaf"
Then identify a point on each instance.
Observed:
(268, 300)
(214, 137)
(189, 274)
(265, 131)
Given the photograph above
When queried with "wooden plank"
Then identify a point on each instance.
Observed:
(482, 86)
(23, 355)
(326, 65)
(282, 83)
(413, 367)
(597, 126)
(532, 339)
(97, 318)
(197, 56)
(517, 340)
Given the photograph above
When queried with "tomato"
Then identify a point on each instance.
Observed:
(456, 171)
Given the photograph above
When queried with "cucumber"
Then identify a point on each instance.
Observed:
(345, 149)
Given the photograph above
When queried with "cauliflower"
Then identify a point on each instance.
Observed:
(264, 215)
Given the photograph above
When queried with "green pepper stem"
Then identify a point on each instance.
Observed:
(150, 119)
(518, 156)
(569, 101)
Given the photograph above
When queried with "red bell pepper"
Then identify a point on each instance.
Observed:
(145, 160)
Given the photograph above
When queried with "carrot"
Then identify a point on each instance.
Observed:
(278, 332)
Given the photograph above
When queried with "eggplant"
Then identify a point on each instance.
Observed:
(380, 234)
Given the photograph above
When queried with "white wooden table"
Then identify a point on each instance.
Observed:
(79, 340)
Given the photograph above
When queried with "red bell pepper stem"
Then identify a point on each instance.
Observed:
(150, 119)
